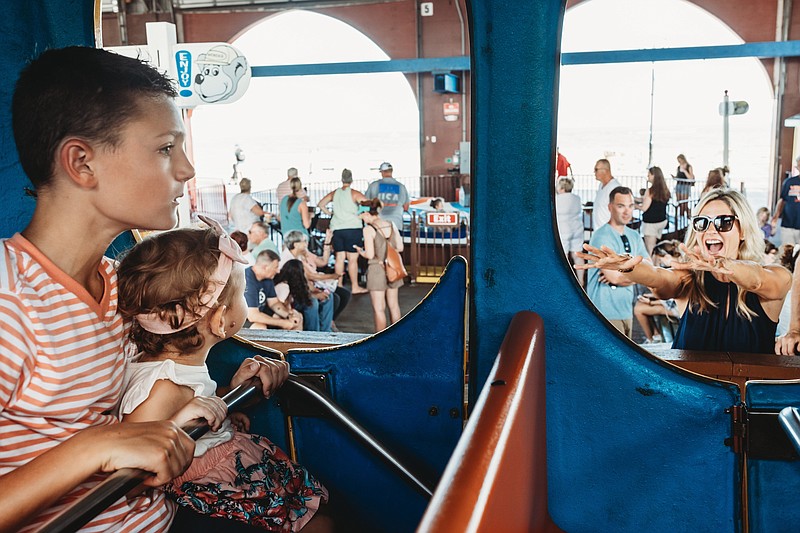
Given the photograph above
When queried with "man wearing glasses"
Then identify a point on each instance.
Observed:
(602, 173)
(609, 290)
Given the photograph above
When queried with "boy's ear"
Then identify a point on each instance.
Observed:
(216, 321)
(76, 158)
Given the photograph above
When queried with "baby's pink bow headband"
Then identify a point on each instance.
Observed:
(229, 252)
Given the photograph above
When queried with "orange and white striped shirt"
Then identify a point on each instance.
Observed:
(61, 371)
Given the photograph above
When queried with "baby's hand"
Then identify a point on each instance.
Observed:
(240, 421)
(210, 408)
(270, 372)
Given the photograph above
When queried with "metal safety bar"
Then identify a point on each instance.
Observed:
(128, 481)
(338, 414)
(789, 418)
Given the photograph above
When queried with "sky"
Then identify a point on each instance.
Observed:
(319, 124)
(604, 110)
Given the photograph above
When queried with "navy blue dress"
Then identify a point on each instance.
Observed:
(713, 331)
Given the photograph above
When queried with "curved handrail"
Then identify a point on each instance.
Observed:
(362, 435)
(129, 480)
(496, 479)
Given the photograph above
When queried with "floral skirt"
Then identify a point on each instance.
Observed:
(251, 480)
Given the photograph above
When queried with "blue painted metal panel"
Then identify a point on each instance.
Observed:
(773, 486)
(265, 418)
(46, 24)
(408, 66)
(767, 49)
(390, 383)
(633, 443)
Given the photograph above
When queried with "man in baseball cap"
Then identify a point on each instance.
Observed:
(391, 193)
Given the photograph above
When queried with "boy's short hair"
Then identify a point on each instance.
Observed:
(81, 92)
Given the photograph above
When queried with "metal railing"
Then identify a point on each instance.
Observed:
(679, 208)
(431, 247)
(428, 248)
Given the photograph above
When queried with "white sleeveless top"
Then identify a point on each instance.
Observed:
(139, 381)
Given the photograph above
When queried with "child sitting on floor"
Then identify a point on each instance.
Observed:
(184, 291)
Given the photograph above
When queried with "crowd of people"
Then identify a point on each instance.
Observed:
(724, 287)
(295, 288)
(102, 363)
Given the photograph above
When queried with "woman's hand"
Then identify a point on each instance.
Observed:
(699, 260)
(606, 258)
(788, 344)
(210, 408)
(270, 372)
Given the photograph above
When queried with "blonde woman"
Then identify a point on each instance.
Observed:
(293, 213)
(727, 298)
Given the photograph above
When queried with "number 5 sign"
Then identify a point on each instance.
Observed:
(426, 9)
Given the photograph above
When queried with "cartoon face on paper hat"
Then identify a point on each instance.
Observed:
(222, 67)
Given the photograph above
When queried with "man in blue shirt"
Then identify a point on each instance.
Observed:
(788, 210)
(610, 291)
(392, 194)
(264, 308)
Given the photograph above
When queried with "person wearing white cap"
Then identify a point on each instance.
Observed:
(392, 194)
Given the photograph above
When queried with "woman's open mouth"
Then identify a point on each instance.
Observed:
(714, 246)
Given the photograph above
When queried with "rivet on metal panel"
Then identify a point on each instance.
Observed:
(454, 413)
(433, 411)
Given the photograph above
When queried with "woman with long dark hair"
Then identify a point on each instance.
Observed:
(715, 180)
(654, 208)
(316, 317)
(684, 177)
(293, 213)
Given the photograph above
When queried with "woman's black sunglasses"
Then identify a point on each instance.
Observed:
(723, 223)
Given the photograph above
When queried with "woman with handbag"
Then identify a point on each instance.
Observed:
(379, 236)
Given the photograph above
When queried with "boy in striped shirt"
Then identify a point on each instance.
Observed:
(102, 142)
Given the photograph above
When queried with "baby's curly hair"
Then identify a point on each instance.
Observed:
(164, 272)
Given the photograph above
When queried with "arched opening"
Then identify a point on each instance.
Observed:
(604, 110)
(639, 115)
(318, 124)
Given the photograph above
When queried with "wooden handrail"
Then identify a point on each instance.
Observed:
(496, 479)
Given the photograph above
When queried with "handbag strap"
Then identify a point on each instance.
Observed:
(388, 242)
